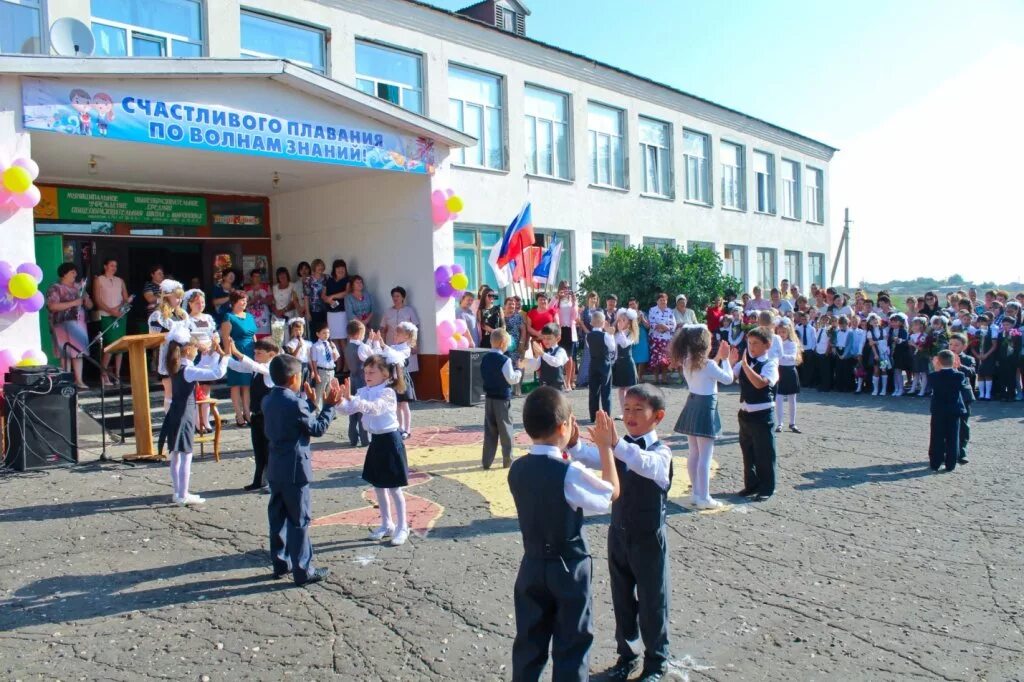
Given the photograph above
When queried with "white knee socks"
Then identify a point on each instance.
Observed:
(874, 385)
(885, 384)
(698, 463)
(791, 399)
(780, 412)
(181, 472)
(398, 500)
(404, 417)
(384, 504)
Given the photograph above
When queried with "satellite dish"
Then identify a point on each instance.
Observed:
(71, 38)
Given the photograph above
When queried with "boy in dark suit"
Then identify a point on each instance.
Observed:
(499, 375)
(947, 409)
(602, 349)
(549, 358)
(290, 421)
(552, 590)
(968, 367)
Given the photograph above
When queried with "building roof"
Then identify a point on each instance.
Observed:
(455, 15)
(522, 6)
(281, 71)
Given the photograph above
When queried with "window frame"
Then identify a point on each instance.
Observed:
(481, 253)
(663, 157)
(797, 191)
(706, 177)
(742, 250)
(504, 12)
(659, 242)
(608, 237)
(324, 32)
(796, 277)
(698, 244)
(817, 216)
(811, 258)
(592, 145)
(152, 34)
(740, 173)
(773, 281)
(402, 87)
(771, 181)
(458, 156)
(41, 27)
(568, 123)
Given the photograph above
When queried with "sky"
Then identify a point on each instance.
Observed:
(924, 99)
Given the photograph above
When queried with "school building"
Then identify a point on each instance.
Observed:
(265, 132)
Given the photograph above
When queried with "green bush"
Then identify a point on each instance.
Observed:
(642, 272)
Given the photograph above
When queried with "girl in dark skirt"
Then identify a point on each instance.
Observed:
(699, 419)
(179, 427)
(902, 355)
(627, 332)
(984, 351)
(405, 341)
(385, 467)
(789, 378)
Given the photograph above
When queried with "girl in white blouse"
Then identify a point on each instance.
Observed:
(788, 388)
(627, 332)
(699, 419)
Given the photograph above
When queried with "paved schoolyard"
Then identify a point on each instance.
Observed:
(864, 566)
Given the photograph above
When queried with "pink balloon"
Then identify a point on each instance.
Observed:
(31, 269)
(27, 199)
(5, 195)
(6, 359)
(447, 328)
(28, 164)
(6, 271)
(34, 303)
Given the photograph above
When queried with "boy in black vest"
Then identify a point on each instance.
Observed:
(549, 358)
(967, 366)
(499, 376)
(552, 590)
(758, 374)
(264, 351)
(948, 387)
(637, 546)
(601, 345)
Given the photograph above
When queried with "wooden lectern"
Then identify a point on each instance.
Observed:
(136, 346)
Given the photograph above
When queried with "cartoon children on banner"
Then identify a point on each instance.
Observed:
(101, 103)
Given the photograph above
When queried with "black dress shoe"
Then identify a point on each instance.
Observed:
(746, 492)
(962, 460)
(623, 668)
(316, 576)
(280, 574)
(653, 674)
(762, 498)
(252, 486)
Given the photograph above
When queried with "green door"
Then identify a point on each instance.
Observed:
(49, 256)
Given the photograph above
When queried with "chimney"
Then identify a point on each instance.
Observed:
(507, 15)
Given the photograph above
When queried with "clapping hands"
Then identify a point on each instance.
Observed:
(603, 432)
(724, 351)
(333, 396)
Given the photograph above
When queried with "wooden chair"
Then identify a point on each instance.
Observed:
(210, 437)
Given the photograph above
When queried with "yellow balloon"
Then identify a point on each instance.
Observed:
(454, 203)
(459, 281)
(22, 285)
(27, 362)
(16, 179)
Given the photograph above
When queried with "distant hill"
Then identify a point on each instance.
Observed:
(952, 283)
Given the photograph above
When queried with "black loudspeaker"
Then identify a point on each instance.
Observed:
(465, 383)
(42, 418)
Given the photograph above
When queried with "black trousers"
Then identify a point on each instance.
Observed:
(825, 371)
(944, 444)
(638, 569)
(965, 433)
(757, 442)
(289, 512)
(844, 374)
(599, 389)
(356, 433)
(553, 608)
(260, 446)
(808, 369)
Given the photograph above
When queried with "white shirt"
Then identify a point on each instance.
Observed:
(841, 337)
(769, 372)
(205, 372)
(790, 350)
(609, 343)
(860, 338)
(323, 354)
(582, 488)
(378, 405)
(623, 340)
(249, 366)
(652, 463)
(822, 342)
(807, 334)
(556, 359)
(775, 352)
(299, 348)
(665, 317)
(511, 374)
(705, 380)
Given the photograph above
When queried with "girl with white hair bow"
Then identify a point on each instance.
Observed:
(167, 315)
(627, 332)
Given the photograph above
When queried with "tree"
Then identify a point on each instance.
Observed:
(955, 280)
(642, 272)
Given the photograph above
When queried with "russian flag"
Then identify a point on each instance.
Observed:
(546, 271)
(517, 237)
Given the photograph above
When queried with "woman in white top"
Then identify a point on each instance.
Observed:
(286, 301)
(663, 325)
(699, 419)
(204, 331)
(788, 388)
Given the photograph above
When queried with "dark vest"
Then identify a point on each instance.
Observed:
(495, 385)
(640, 507)
(258, 390)
(550, 528)
(600, 357)
(751, 395)
(549, 375)
(354, 365)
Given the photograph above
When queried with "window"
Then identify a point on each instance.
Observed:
(790, 189)
(698, 178)
(387, 73)
(658, 242)
(734, 260)
(816, 268)
(692, 245)
(602, 244)
(147, 28)
(472, 249)
(607, 164)
(547, 133)
(793, 268)
(20, 27)
(656, 157)
(268, 37)
(506, 19)
(764, 181)
(733, 189)
(474, 105)
(766, 268)
(544, 239)
(815, 196)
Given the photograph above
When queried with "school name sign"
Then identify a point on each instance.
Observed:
(97, 109)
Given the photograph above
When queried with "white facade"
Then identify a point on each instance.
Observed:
(766, 246)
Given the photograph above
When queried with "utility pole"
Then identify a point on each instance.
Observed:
(843, 250)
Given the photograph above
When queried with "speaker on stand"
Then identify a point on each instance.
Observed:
(465, 383)
(41, 410)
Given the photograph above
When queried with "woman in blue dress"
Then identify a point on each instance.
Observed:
(242, 328)
(642, 348)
